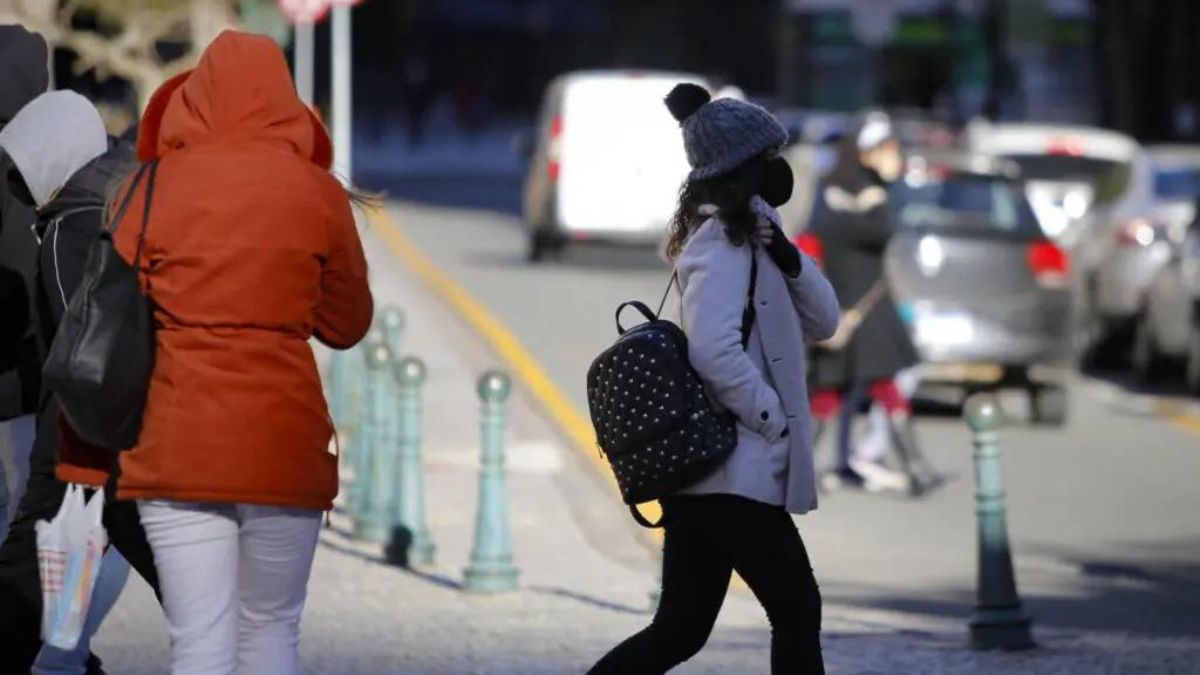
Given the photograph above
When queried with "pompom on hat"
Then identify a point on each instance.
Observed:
(721, 135)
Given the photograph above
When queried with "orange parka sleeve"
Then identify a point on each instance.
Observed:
(344, 311)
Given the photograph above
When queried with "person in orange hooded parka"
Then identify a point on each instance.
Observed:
(251, 249)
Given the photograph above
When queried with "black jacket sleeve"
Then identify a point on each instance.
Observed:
(20, 354)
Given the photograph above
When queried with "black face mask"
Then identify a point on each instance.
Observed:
(777, 182)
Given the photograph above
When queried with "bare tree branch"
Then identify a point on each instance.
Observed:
(132, 53)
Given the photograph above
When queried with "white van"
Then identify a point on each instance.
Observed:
(608, 160)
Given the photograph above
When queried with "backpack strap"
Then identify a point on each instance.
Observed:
(124, 206)
(137, 258)
(640, 307)
(673, 282)
(641, 520)
(750, 312)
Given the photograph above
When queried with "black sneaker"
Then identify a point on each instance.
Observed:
(93, 665)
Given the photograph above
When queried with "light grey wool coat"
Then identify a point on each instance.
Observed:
(763, 385)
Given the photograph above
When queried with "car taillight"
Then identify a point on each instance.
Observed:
(1138, 232)
(811, 245)
(1049, 264)
(553, 165)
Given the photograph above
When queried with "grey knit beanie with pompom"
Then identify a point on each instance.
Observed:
(720, 135)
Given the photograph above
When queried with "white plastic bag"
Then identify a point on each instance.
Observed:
(70, 549)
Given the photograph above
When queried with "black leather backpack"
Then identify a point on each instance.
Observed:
(654, 421)
(102, 356)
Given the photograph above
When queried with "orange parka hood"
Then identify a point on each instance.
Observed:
(257, 103)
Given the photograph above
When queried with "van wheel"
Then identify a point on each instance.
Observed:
(1048, 405)
(543, 246)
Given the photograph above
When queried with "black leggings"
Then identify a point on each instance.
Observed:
(707, 538)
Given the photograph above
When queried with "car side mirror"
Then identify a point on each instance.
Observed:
(523, 145)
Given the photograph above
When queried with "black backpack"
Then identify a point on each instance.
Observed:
(103, 353)
(654, 421)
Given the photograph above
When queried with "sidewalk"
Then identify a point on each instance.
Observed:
(586, 569)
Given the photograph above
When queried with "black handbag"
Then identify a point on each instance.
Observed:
(102, 356)
(654, 420)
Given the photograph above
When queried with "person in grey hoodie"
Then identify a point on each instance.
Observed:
(739, 518)
(63, 166)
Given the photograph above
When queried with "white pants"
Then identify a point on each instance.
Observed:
(234, 579)
(875, 443)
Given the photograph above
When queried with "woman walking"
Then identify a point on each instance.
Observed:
(852, 222)
(738, 518)
(250, 250)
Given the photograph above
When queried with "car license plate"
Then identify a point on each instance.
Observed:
(945, 329)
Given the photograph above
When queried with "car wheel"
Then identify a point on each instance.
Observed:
(1145, 360)
(1049, 406)
(1192, 371)
(1092, 334)
(543, 245)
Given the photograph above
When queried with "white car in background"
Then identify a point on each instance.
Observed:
(607, 160)
(1069, 171)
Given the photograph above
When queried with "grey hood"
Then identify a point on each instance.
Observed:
(51, 138)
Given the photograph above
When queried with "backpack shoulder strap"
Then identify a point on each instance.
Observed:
(124, 206)
(750, 312)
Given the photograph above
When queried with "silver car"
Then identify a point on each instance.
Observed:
(1134, 240)
(1168, 331)
(986, 292)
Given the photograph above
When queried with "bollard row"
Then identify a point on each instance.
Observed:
(375, 401)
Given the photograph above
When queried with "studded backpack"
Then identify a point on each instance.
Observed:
(654, 421)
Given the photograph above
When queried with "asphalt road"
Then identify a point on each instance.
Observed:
(1104, 515)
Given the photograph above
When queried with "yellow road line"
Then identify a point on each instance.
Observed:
(1179, 415)
(529, 372)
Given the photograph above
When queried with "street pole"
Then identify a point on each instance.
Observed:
(342, 89)
(304, 62)
(999, 620)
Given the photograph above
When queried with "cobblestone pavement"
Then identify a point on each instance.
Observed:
(586, 571)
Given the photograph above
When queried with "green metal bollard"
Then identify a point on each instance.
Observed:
(411, 543)
(355, 410)
(374, 446)
(393, 323)
(491, 568)
(999, 620)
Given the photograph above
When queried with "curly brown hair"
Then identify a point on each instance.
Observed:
(730, 193)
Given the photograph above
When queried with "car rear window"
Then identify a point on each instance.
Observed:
(965, 202)
(1108, 178)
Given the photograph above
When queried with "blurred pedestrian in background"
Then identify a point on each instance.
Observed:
(738, 518)
(24, 75)
(853, 224)
(63, 165)
(251, 249)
